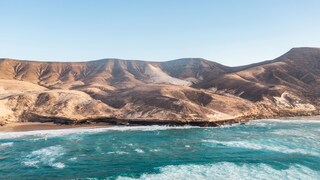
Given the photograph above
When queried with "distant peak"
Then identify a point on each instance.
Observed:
(304, 50)
(189, 59)
(302, 53)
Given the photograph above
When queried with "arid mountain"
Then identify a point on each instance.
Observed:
(183, 90)
(297, 71)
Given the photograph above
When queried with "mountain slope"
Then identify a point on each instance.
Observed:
(183, 90)
(297, 71)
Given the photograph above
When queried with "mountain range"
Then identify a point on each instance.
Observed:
(186, 91)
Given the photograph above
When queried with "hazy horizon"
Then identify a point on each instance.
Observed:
(231, 33)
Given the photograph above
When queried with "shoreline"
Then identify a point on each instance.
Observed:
(34, 126)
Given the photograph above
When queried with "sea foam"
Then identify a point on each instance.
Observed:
(86, 130)
(227, 170)
(139, 150)
(45, 156)
(261, 146)
(312, 134)
(7, 144)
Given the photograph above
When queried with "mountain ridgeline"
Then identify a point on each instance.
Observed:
(183, 91)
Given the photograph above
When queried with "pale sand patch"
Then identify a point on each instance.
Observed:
(156, 75)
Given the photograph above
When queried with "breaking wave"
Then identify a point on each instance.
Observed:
(260, 146)
(7, 144)
(312, 134)
(139, 150)
(86, 130)
(45, 156)
(227, 170)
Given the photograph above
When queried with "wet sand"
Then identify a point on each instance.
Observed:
(33, 126)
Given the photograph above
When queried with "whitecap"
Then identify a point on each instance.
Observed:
(154, 150)
(73, 159)
(7, 144)
(258, 123)
(45, 156)
(260, 146)
(310, 134)
(227, 170)
(31, 163)
(58, 165)
(139, 150)
(118, 152)
(226, 125)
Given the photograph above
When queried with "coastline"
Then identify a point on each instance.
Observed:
(316, 117)
(108, 122)
(34, 126)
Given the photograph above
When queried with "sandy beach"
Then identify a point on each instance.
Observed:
(32, 126)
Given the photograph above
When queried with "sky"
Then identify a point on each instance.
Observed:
(231, 32)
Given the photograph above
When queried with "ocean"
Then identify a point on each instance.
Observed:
(261, 149)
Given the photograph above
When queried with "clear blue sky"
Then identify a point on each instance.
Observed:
(231, 32)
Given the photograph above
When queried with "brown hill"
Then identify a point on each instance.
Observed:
(297, 71)
(183, 90)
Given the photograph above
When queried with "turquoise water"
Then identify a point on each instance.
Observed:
(263, 149)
